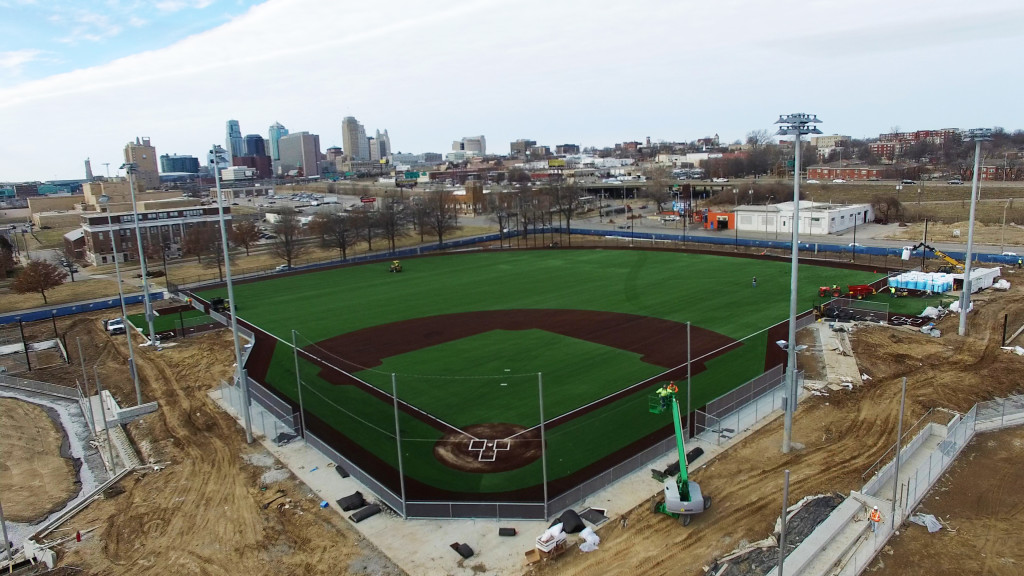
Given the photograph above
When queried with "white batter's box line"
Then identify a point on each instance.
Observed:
(488, 452)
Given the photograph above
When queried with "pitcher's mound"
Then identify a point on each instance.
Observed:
(459, 450)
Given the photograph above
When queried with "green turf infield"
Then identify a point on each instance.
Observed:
(712, 292)
(171, 321)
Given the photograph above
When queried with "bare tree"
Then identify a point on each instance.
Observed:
(659, 179)
(6, 257)
(393, 221)
(887, 208)
(199, 241)
(337, 228)
(440, 216)
(289, 232)
(759, 138)
(245, 234)
(367, 225)
(39, 276)
(566, 201)
(500, 205)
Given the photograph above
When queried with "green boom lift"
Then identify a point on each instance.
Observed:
(683, 497)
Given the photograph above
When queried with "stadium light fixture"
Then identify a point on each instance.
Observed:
(216, 156)
(105, 201)
(131, 168)
(794, 125)
(979, 135)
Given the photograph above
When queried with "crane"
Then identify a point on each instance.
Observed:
(954, 267)
(683, 497)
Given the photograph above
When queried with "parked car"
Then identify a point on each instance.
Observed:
(813, 182)
(282, 268)
(114, 326)
(908, 181)
(955, 181)
(838, 181)
(670, 218)
(720, 180)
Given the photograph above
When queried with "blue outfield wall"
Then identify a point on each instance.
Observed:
(44, 313)
(805, 247)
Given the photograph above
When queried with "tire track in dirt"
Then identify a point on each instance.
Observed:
(201, 514)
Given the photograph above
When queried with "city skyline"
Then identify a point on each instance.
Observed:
(670, 71)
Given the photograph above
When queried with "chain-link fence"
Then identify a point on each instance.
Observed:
(957, 436)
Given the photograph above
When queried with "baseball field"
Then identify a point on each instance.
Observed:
(480, 346)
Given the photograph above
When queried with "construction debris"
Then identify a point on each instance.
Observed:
(928, 521)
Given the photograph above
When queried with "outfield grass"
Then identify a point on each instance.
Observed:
(712, 292)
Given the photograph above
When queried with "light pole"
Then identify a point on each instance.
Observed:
(766, 202)
(794, 125)
(130, 169)
(105, 200)
(1002, 233)
(978, 135)
(240, 375)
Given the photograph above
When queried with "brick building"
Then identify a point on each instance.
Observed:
(167, 227)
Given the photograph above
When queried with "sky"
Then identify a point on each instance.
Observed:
(79, 79)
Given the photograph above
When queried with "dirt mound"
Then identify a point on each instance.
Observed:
(496, 447)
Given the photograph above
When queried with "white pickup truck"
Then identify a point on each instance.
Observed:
(114, 326)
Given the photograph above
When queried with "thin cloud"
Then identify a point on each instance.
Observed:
(171, 6)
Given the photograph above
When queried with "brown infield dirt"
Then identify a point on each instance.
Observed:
(202, 513)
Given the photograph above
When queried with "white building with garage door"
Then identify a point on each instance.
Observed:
(775, 221)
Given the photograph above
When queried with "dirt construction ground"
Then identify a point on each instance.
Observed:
(202, 513)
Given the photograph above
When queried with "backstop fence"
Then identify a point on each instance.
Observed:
(280, 422)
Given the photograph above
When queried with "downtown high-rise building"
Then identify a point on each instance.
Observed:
(354, 141)
(275, 133)
(254, 145)
(299, 151)
(472, 145)
(143, 156)
(233, 142)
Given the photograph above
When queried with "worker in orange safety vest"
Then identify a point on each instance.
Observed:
(875, 518)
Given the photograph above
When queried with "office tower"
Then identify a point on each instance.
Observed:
(472, 145)
(276, 132)
(384, 142)
(354, 140)
(88, 170)
(179, 163)
(143, 155)
(233, 143)
(300, 150)
(254, 145)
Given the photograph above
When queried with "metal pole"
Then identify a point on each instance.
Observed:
(142, 258)
(124, 314)
(398, 440)
(242, 381)
(899, 450)
(24, 345)
(688, 378)
(782, 532)
(787, 434)
(1006, 317)
(543, 446)
(103, 414)
(85, 380)
(965, 296)
(924, 240)
(7, 543)
(298, 384)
